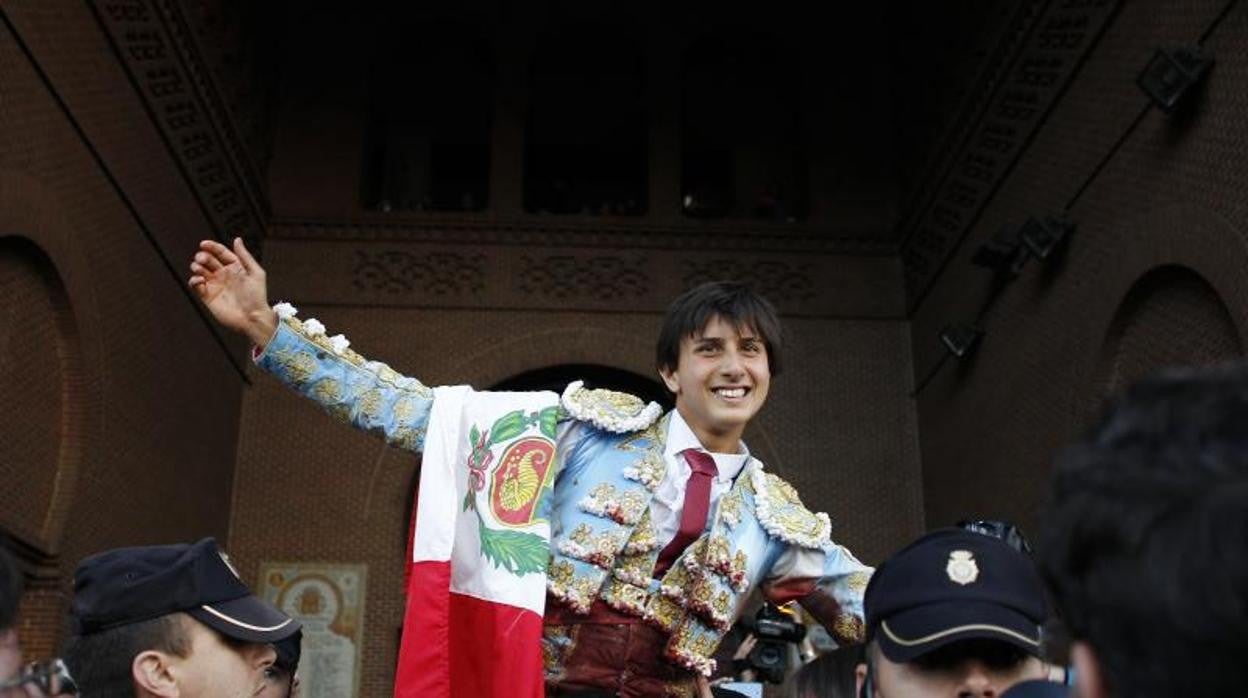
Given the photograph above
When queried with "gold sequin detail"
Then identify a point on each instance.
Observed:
(692, 645)
(406, 438)
(327, 391)
(299, 366)
(577, 591)
(649, 471)
(729, 565)
(626, 597)
(624, 507)
(730, 510)
(786, 513)
(681, 689)
(652, 438)
(598, 548)
(664, 612)
(558, 641)
(643, 538)
(847, 629)
(369, 404)
(857, 581)
(635, 568)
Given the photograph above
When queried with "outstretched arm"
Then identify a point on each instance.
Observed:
(232, 286)
(367, 394)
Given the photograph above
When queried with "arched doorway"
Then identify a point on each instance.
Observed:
(556, 378)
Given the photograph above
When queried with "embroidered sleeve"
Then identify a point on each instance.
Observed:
(821, 575)
(836, 600)
(367, 394)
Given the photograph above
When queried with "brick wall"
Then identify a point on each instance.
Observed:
(1153, 275)
(127, 433)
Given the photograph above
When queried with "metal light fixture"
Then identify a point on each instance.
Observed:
(960, 340)
(1001, 253)
(1042, 235)
(1171, 74)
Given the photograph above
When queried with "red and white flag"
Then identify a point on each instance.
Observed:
(477, 585)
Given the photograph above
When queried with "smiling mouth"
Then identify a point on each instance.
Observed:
(731, 393)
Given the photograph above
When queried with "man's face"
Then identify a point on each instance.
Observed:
(720, 381)
(217, 666)
(970, 669)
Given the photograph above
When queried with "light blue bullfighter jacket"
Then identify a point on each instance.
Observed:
(609, 460)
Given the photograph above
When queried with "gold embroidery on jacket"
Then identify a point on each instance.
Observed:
(691, 646)
(857, 581)
(577, 591)
(847, 629)
(626, 597)
(558, 642)
(299, 366)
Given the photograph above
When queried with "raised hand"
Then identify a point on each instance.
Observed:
(232, 286)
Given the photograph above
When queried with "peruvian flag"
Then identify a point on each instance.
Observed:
(477, 585)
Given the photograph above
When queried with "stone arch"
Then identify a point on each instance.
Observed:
(555, 378)
(1171, 316)
(553, 347)
(38, 256)
(40, 375)
(1159, 259)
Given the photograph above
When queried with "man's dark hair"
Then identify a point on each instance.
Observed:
(11, 586)
(1144, 536)
(100, 662)
(730, 301)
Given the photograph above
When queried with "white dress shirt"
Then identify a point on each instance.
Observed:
(669, 498)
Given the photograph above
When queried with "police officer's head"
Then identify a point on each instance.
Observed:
(956, 613)
(169, 620)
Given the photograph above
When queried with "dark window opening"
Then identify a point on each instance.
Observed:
(741, 132)
(586, 149)
(428, 142)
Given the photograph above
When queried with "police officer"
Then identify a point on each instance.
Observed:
(956, 613)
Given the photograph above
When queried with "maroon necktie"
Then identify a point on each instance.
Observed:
(693, 512)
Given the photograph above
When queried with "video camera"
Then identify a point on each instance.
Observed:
(775, 630)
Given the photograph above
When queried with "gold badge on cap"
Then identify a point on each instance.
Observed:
(962, 568)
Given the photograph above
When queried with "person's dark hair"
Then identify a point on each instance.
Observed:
(100, 662)
(1143, 538)
(11, 586)
(828, 676)
(733, 302)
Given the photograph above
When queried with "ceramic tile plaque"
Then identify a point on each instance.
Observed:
(329, 600)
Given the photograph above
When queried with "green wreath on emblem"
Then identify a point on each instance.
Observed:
(515, 551)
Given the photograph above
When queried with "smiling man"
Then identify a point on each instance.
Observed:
(650, 530)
